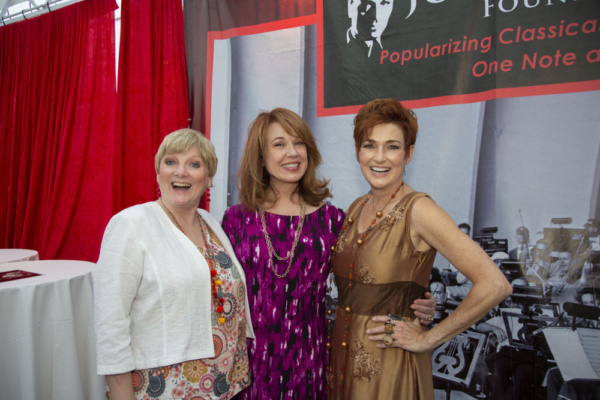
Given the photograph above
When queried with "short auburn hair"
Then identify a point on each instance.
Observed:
(385, 111)
(253, 179)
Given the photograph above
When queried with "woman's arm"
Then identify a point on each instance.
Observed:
(116, 278)
(432, 227)
(121, 386)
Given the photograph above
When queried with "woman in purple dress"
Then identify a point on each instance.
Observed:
(282, 234)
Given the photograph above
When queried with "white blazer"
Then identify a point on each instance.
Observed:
(152, 293)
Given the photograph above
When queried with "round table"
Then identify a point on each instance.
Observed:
(47, 331)
(14, 255)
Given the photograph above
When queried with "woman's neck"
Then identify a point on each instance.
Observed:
(287, 200)
(383, 195)
(184, 217)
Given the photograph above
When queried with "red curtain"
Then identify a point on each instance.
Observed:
(152, 93)
(56, 130)
(70, 158)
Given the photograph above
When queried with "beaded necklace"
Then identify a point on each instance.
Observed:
(359, 242)
(215, 280)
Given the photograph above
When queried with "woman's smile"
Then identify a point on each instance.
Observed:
(382, 157)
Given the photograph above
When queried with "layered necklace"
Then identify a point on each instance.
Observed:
(359, 242)
(215, 280)
(272, 251)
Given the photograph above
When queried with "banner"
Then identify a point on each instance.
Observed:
(439, 52)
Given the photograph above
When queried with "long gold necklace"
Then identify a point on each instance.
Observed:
(215, 280)
(272, 251)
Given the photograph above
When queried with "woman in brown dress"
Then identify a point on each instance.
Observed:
(382, 263)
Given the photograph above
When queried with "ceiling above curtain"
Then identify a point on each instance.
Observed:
(19, 10)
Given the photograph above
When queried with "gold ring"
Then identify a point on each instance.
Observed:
(430, 318)
(387, 340)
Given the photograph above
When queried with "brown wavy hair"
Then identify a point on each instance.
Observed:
(383, 111)
(253, 179)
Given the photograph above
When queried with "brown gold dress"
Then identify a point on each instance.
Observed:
(388, 275)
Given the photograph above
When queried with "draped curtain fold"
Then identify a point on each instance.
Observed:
(75, 150)
(152, 94)
(56, 122)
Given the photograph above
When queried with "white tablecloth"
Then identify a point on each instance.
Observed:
(47, 333)
(14, 255)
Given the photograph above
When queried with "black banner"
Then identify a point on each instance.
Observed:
(456, 50)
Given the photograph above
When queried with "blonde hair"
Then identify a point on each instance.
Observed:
(253, 179)
(183, 140)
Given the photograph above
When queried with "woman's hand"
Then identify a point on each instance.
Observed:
(406, 335)
(424, 309)
(121, 386)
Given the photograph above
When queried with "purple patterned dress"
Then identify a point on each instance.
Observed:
(288, 358)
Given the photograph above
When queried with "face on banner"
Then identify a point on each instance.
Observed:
(369, 18)
(438, 290)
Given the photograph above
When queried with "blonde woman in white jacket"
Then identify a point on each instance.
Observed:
(170, 299)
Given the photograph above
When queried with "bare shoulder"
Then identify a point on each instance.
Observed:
(425, 211)
(430, 225)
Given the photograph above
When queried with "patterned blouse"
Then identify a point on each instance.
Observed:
(288, 359)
